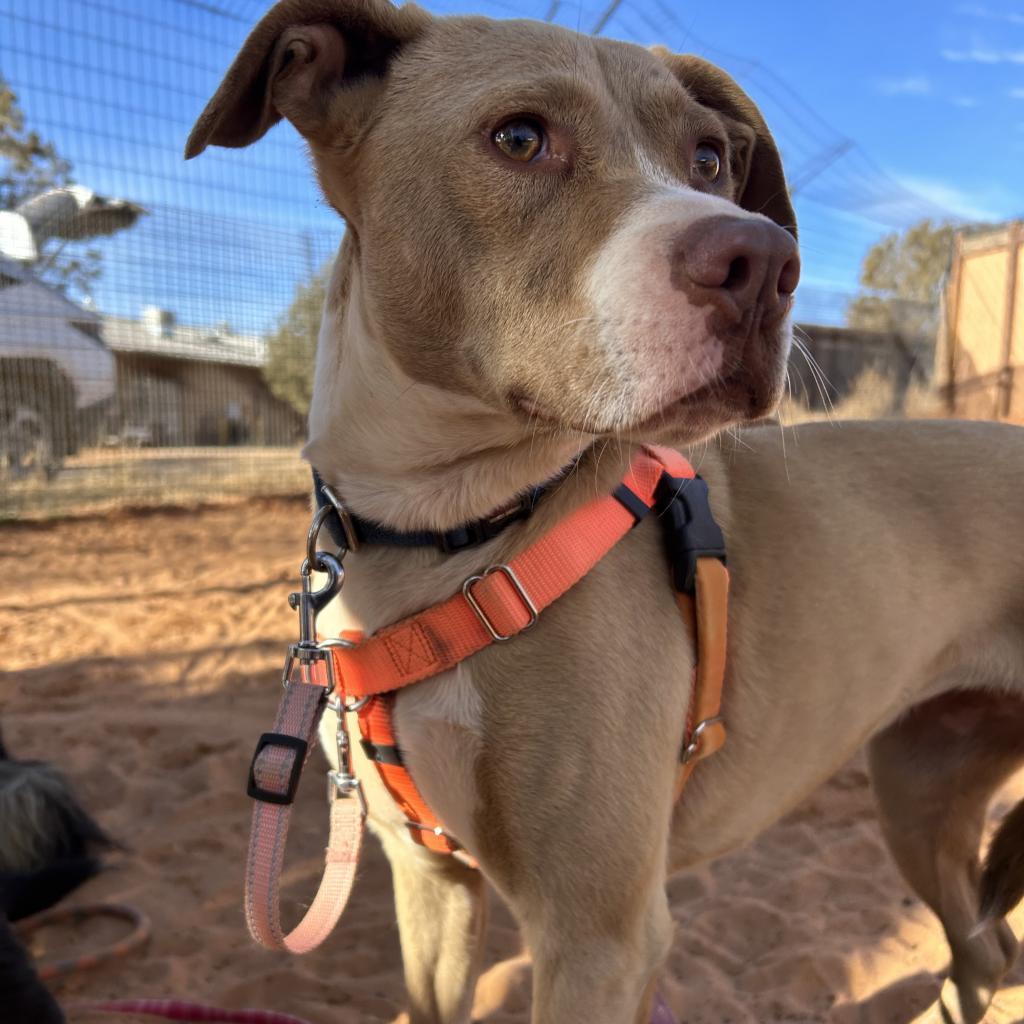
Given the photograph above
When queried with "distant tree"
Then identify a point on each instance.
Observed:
(30, 165)
(901, 280)
(291, 349)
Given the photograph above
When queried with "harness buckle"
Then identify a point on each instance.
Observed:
(506, 570)
(471, 535)
(691, 532)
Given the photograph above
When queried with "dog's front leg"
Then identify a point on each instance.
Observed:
(575, 839)
(440, 902)
(597, 963)
(441, 907)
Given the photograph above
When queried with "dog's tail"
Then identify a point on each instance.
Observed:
(1002, 880)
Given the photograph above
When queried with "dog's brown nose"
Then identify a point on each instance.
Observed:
(737, 263)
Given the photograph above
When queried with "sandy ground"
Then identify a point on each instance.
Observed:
(141, 654)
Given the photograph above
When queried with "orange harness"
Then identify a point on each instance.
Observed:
(364, 675)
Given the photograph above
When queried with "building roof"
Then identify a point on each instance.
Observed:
(979, 237)
(21, 292)
(158, 334)
(37, 322)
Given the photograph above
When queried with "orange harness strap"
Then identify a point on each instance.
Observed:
(705, 730)
(507, 599)
(380, 744)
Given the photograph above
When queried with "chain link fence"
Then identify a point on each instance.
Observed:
(157, 317)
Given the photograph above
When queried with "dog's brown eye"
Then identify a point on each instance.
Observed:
(519, 140)
(707, 163)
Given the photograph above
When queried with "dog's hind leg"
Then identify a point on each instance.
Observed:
(934, 773)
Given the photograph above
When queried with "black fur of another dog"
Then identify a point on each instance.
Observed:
(48, 847)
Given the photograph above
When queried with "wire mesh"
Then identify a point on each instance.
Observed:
(137, 355)
(141, 355)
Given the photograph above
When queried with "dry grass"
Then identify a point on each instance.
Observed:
(100, 479)
(874, 396)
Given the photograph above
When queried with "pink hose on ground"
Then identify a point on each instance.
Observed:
(173, 1009)
(660, 1013)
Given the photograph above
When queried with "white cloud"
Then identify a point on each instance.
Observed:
(911, 85)
(983, 55)
(980, 11)
(968, 205)
(1017, 94)
(967, 102)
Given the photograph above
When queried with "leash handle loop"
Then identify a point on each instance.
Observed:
(273, 769)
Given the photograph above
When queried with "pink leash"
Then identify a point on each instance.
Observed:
(275, 776)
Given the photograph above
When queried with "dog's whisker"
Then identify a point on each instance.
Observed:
(819, 376)
(737, 437)
(816, 375)
(816, 368)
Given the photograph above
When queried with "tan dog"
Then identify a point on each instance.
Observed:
(559, 244)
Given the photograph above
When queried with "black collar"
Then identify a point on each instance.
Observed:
(352, 532)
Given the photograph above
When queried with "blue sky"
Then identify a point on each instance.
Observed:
(886, 112)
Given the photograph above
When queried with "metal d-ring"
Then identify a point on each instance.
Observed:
(313, 557)
(344, 517)
(693, 747)
(335, 704)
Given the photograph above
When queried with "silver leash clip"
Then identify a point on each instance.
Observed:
(310, 602)
(341, 783)
(307, 661)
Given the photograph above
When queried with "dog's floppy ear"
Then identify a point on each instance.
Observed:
(294, 62)
(757, 166)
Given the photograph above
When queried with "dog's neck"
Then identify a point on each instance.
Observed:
(408, 455)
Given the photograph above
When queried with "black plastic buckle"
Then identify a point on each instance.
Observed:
(472, 535)
(278, 739)
(460, 538)
(690, 529)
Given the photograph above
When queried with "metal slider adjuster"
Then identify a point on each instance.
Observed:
(692, 748)
(467, 590)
